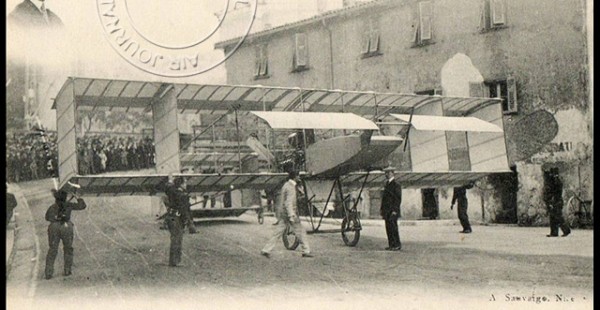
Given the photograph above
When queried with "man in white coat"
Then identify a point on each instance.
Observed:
(287, 214)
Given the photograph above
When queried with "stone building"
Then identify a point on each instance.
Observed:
(533, 54)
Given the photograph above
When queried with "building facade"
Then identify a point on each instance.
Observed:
(533, 54)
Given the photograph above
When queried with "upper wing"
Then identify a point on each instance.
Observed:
(120, 185)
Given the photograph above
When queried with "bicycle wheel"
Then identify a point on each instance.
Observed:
(350, 231)
(290, 241)
(572, 212)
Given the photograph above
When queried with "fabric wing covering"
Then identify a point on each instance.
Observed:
(315, 120)
(119, 185)
(446, 123)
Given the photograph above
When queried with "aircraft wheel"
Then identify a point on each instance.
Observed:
(261, 220)
(289, 239)
(350, 231)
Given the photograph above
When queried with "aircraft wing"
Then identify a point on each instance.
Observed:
(152, 184)
(415, 179)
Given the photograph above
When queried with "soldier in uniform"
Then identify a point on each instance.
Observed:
(460, 195)
(176, 218)
(61, 228)
(553, 188)
(391, 199)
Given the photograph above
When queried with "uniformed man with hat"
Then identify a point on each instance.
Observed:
(177, 217)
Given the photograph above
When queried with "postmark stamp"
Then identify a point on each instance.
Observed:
(171, 39)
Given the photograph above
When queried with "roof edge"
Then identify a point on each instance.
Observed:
(308, 21)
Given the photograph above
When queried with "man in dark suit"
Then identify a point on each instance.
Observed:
(31, 14)
(552, 196)
(460, 195)
(391, 199)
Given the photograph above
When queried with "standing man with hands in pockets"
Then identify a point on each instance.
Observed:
(391, 199)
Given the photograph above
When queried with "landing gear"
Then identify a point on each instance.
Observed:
(351, 229)
(351, 226)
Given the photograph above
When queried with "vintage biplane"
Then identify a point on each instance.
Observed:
(337, 140)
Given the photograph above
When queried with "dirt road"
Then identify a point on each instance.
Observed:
(121, 263)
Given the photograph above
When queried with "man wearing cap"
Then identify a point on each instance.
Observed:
(287, 213)
(391, 198)
(61, 228)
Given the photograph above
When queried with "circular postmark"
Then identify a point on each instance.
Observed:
(173, 38)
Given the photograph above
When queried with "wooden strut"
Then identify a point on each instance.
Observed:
(342, 199)
(316, 229)
(237, 129)
(195, 137)
(412, 111)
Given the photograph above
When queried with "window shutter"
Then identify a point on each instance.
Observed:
(498, 12)
(374, 38)
(258, 61)
(475, 89)
(425, 19)
(486, 91)
(264, 61)
(485, 15)
(511, 87)
(416, 35)
(366, 37)
(301, 55)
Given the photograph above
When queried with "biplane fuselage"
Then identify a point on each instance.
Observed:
(344, 154)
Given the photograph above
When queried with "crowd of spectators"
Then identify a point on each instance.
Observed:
(32, 156)
(26, 156)
(99, 154)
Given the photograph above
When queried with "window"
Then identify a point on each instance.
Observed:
(261, 69)
(493, 15)
(371, 39)
(424, 29)
(300, 58)
(505, 89)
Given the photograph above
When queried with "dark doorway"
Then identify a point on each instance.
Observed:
(506, 185)
(431, 209)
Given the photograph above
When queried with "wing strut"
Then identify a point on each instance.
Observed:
(237, 130)
(412, 111)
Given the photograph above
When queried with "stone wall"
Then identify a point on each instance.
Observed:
(543, 47)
